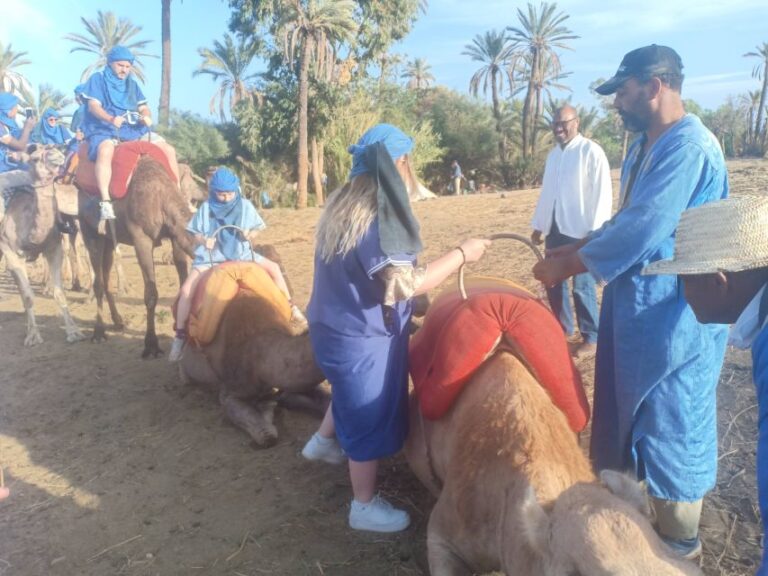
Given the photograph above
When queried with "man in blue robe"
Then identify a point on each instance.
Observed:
(117, 111)
(721, 257)
(13, 172)
(656, 368)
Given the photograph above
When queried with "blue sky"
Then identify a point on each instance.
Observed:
(710, 35)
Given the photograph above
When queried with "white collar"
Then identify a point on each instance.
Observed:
(747, 327)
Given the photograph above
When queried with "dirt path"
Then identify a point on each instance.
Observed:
(115, 467)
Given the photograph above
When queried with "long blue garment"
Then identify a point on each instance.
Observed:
(657, 368)
(6, 164)
(203, 223)
(100, 88)
(760, 377)
(362, 348)
(44, 133)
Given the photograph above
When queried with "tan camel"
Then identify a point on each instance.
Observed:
(516, 494)
(153, 208)
(253, 353)
(29, 229)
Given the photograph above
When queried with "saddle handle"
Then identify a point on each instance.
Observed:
(500, 236)
(215, 234)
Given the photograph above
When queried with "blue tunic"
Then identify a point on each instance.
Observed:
(760, 377)
(95, 130)
(202, 223)
(657, 368)
(362, 348)
(6, 164)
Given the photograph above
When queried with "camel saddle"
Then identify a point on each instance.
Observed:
(127, 156)
(216, 289)
(459, 335)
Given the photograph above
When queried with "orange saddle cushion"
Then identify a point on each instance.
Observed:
(219, 285)
(459, 335)
(127, 155)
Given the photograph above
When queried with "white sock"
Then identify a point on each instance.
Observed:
(323, 440)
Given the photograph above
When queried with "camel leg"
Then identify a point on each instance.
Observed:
(180, 261)
(81, 263)
(16, 266)
(314, 402)
(54, 256)
(96, 248)
(257, 423)
(144, 246)
(67, 270)
(442, 556)
(110, 291)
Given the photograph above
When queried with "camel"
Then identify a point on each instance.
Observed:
(516, 494)
(153, 208)
(253, 353)
(29, 229)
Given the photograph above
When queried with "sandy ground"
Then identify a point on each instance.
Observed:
(116, 467)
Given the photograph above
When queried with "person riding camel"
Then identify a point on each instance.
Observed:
(50, 130)
(13, 172)
(117, 112)
(225, 206)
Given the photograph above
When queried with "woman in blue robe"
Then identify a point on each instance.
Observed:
(365, 275)
(50, 131)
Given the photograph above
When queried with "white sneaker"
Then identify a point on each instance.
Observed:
(324, 449)
(107, 212)
(378, 515)
(177, 349)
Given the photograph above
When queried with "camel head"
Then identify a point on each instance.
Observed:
(45, 162)
(190, 185)
(596, 529)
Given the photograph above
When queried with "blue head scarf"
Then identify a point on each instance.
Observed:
(122, 93)
(52, 134)
(7, 102)
(393, 139)
(222, 213)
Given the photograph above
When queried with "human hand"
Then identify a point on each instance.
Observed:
(30, 122)
(474, 248)
(210, 243)
(536, 237)
(147, 119)
(118, 121)
(79, 135)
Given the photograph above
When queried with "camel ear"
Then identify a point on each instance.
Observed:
(536, 523)
(626, 488)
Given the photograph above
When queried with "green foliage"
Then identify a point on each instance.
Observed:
(10, 79)
(198, 143)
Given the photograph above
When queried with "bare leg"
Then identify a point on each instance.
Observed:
(363, 477)
(273, 269)
(185, 298)
(327, 427)
(104, 167)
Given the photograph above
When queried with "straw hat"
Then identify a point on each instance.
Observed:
(729, 236)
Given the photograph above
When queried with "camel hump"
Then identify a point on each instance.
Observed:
(124, 162)
(459, 335)
(220, 285)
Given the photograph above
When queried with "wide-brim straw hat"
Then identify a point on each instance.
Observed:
(724, 236)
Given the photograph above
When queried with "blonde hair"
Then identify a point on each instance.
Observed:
(350, 211)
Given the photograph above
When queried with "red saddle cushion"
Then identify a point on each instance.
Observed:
(127, 155)
(459, 335)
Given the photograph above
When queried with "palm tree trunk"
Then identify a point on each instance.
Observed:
(165, 84)
(760, 130)
(497, 116)
(303, 156)
(528, 105)
(535, 123)
(317, 172)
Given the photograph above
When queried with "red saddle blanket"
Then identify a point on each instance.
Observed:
(459, 335)
(219, 285)
(127, 155)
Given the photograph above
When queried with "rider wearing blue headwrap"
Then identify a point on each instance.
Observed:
(13, 139)
(365, 276)
(225, 207)
(116, 111)
(49, 130)
(82, 109)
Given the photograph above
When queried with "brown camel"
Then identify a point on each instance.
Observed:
(153, 208)
(253, 353)
(516, 494)
(29, 229)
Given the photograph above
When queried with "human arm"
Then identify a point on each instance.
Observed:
(145, 114)
(97, 110)
(19, 144)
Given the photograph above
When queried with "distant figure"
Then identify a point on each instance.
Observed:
(324, 180)
(13, 140)
(457, 177)
(575, 200)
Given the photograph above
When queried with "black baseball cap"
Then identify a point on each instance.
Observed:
(647, 61)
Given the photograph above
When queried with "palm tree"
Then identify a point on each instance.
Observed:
(48, 97)
(749, 103)
(760, 71)
(228, 65)
(313, 28)
(10, 79)
(164, 108)
(418, 74)
(496, 52)
(104, 33)
(541, 33)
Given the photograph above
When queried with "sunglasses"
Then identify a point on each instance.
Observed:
(562, 124)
